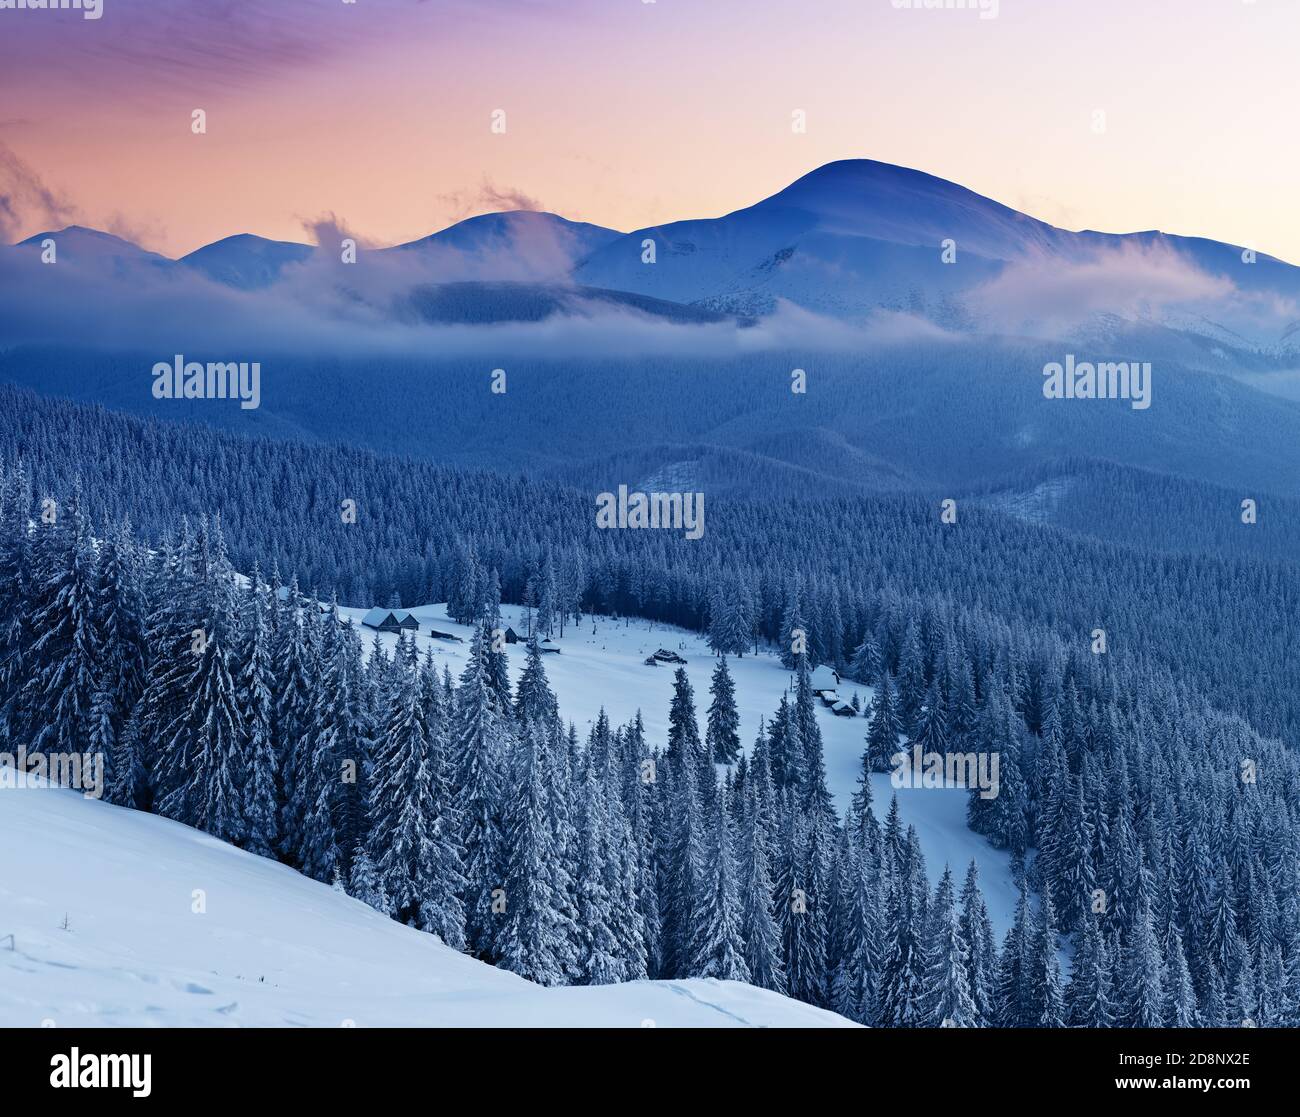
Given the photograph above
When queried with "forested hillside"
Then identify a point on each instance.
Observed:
(1165, 833)
(1222, 629)
(936, 415)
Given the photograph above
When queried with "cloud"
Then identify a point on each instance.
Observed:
(327, 308)
(1048, 295)
(26, 200)
(486, 198)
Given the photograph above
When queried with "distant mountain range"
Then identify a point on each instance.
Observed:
(922, 375)
(851, 241)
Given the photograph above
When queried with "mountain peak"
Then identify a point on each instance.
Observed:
(83, 234)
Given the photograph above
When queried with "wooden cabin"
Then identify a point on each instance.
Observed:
(391, 620)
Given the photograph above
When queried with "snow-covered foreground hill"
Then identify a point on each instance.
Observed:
(601, 663)
(270, 947)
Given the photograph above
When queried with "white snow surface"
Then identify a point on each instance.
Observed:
(271, 948)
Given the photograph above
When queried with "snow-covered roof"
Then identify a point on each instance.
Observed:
(824, 678)
(377, 616)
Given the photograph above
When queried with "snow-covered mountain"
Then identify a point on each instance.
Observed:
(124, 919)
(246, 261)
(857, 235)
(90, 250)
(542, 242)
(848, 240)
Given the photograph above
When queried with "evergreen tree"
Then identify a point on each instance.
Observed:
(478, 749)
(535, 939)
(864, 667)
(533, 696)
(722, 736)
(719, 948)
(412, 832)
(794, 639)
(903, 976)
(599, 958)
(884, 729)
(62, 661)
(684, 745)
(684, 883)
(254, 689)
(1044, 971)
(945, 999)
(759, 932)
(1088, 998)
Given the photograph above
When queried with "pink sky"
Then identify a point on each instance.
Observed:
(629, 113)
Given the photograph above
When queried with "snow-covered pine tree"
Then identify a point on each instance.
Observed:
(946, 1000)
(1142, 978)
(120, 623)
(15, 594)
(902, 978)
(599, 958)
(812, 765)
(1180, 997)
(801, 905)
(478, 750)
(722, 737)
(854, 981)
(911, 678)
(864, 666)
(534, 698)
(758, 927)
(61, 661)
(498, 663)
(977, 933)
(684, 744)
(794, 627)
(1014, 998)
(292, 689)
(202, 749)
(682, 895)
(536, 938)
(1044, 970)
(548, 600)
(884, 728)
(364, 882)
(1088, 997)
(719, 948)
(415, 856)
(931, 728)
(319, 759)
(261, 807)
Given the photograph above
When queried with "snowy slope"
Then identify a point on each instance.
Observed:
(246, 261)
(601, 664)
(272, 948)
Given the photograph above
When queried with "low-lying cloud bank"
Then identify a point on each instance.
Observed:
(116, 298)
(324, 306)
